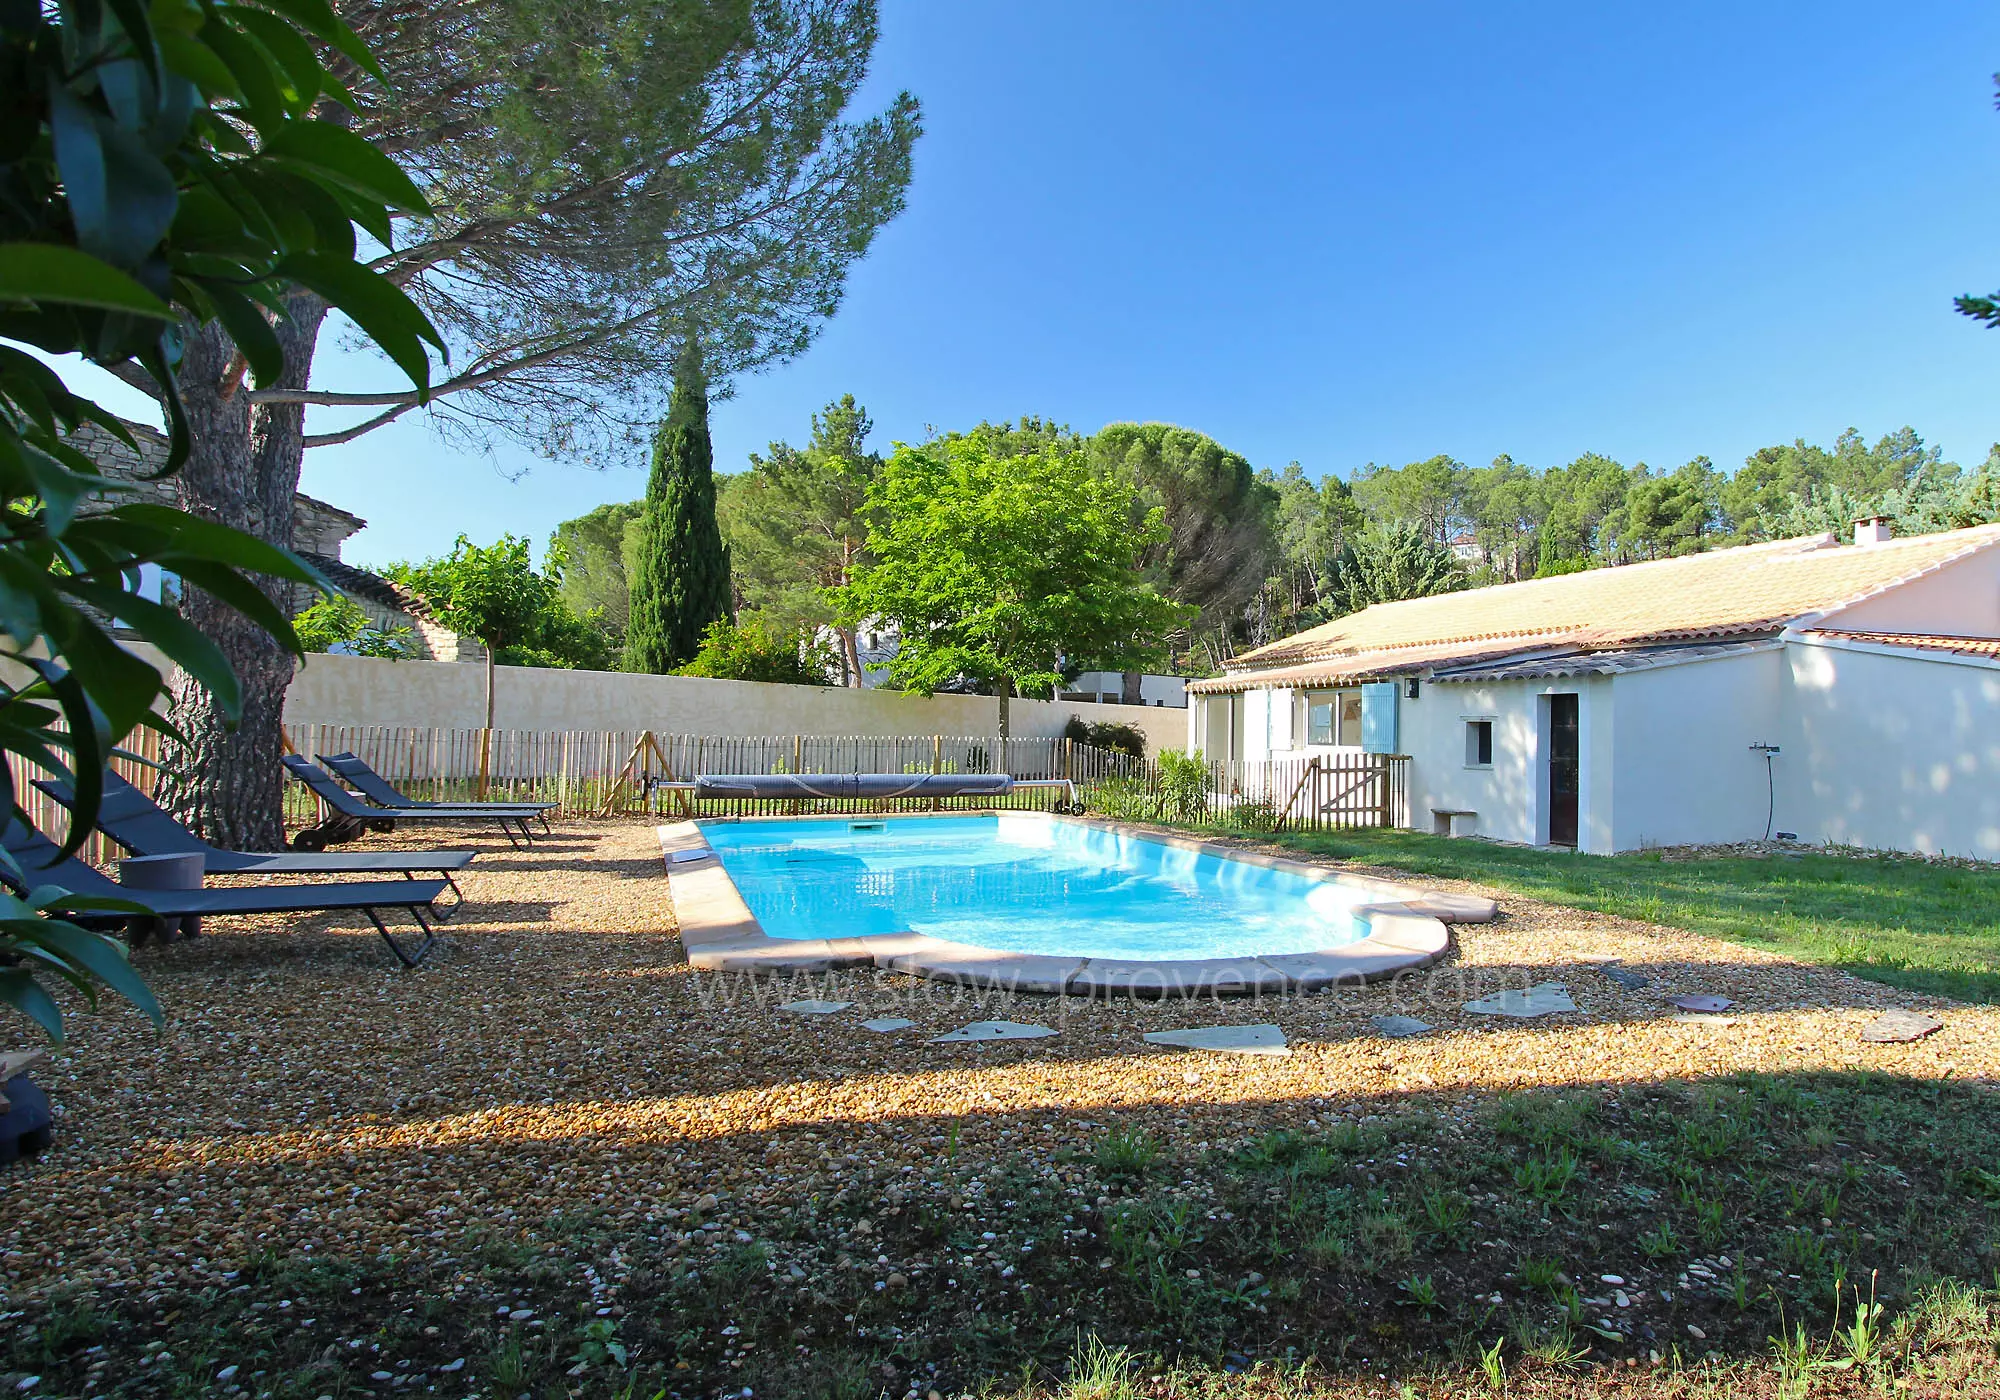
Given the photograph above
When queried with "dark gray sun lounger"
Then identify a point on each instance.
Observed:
(372, 785)
(136, 822)
(347, 804)
(37, 857)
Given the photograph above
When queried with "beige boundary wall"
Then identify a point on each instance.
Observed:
(452, 695)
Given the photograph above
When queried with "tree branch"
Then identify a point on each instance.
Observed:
(350, 434)
(132, 373)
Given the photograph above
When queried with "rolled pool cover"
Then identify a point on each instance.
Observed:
(852, 785)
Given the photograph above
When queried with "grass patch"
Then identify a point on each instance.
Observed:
(1903, 921)
(1810, 1228)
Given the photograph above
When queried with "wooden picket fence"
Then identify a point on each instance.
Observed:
(604, 772)
(1329, 792)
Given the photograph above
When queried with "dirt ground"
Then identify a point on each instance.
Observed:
(556, 1054)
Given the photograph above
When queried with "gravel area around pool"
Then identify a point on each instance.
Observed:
(558, 1054)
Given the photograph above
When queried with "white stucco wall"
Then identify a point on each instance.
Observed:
(1510, 797)
(362, 690)
(1959, 600)
(1897, 752)
(452, 695)
(1682, 770)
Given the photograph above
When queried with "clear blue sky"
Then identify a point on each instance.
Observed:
(1350, 233)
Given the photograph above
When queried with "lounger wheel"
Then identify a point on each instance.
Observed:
(385, 825)
(309, 840)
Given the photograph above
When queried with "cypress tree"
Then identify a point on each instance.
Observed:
(681, 582)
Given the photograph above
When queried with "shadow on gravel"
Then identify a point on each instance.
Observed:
(1649, 1226)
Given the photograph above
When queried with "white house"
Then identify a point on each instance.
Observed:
(1838, 692)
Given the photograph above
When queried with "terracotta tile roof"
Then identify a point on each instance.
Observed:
(361, 583)
(1964, 646)
(1726, 592)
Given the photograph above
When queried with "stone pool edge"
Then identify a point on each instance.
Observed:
(720, 934)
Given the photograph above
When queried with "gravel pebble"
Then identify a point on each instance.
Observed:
(556, 1054)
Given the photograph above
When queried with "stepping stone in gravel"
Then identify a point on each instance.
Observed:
(1895, 1027)
(1399, 1026)
(1704, 1018)
(1703, 1003)
(1229, 1040)
(883, 1025)
(1631, 981)
(992, 1030)
(816, 1008)
(1545, 999)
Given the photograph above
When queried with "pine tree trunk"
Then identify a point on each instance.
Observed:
(243, 470)
(850, 659)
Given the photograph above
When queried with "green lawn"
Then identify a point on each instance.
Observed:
(1930, 928)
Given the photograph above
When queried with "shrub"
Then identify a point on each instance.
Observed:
(1125, 738)
(338, 622)
(1183, 786)
(754, 648)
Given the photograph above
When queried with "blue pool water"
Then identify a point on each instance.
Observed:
(1022, 883)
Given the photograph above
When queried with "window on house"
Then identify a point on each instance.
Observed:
(1333, 717)
(1319, 718)
(1479, 743)
(1350, 719)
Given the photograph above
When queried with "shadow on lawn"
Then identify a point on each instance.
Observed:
(1391, 1235)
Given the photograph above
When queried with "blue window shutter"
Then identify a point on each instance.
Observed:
(1378, 717)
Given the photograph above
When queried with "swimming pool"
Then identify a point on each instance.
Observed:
(1020, 883)
(1035, 902)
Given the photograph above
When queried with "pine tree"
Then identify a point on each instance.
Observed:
(681, 582)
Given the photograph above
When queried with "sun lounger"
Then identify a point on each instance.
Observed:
(37, 857)
(136, 822)
(347, 804)
(372, 785)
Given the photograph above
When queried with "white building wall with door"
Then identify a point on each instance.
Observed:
(1682, 768)
(1507, 795)
(1891, 750)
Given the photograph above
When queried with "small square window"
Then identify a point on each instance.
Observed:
(1479, 743)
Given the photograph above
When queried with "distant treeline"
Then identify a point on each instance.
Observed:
(1261, 554)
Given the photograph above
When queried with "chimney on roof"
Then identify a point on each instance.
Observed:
(1873, 529)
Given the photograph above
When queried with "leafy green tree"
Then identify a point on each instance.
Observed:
(1430, 494)
(1311, 523)
(493, 593)
(338, 621)
(588, 559)
(794, 526)
(1218, 516)
(1583, 497)
(680, 580)
(1673, 513)
(113, 130)
(1387, 563)
(756, 647)
(1007, 571)
(596, 175)
(1757, 501)
(1507, 504)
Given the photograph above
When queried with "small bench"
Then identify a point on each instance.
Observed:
(1444, 820)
